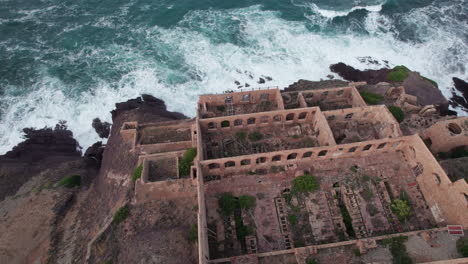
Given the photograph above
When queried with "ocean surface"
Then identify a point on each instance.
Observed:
(74, 59)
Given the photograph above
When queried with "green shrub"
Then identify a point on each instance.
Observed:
(292, 218)
(312, 261)
(431, 81)
(247, 201)
(137, 173)
(225, 123)
(356, 252)
(371, 98)
(241, 135)
(243, 231)
(227, 203)
(398, 250)
(462, 246)
(186, 161)
(305, 183)
(401, 209)
(299, 243)
(121, 215)
(459, 152)
(71, 181)
(221, 108)
(255, 136)
(193, 233)
(398, 74)
(397, 113)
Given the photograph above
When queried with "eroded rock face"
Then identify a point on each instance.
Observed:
(370, 76)
(458, 100)
(312, 85)
(102, 128)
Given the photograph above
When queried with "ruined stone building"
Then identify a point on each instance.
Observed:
(255, 143)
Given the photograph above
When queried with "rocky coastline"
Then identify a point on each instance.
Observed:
(32, 169)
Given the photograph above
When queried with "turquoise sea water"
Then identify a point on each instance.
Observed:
(73, 60)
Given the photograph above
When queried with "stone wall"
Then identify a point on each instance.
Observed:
(443, 136)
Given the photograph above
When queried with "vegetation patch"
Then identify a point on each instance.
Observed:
(246, 201)
(299, 243)
(462, 246)
(225, 123)
(255, 136)
(397, 113)
(186, 161)
(398, 250)
(137, 173)
(292, 218)
(227, 204)
(221, 108)
(193, 233)
(120, 215)
(401, 209)
(305, 183)
(371, 98)
(241, 135)
(71, 181)
(458, 152)
(431, 81)
(398, 74)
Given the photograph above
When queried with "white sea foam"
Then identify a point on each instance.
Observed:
(333, 13)
(271, 46)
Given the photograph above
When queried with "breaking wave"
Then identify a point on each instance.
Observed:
(207, 51)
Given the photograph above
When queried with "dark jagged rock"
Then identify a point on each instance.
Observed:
(41, 150)
(102, 128)
(147, 106)
(45, 143)
(261, 80)
(311, 85)
(268, 78)
(354, 75)
(462, 87)
(237, 83)
(247, 85)
(93, 154)
(424, 90)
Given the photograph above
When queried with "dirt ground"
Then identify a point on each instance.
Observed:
(154, 232)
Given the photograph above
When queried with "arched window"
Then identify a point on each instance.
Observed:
(340, 92)
(322, 153)
(277, 118)
(213, 166)
(302, 115)
(454, 128)
(332, 117)
(211, 125)
(251, 121)
(276, 158)
(238, 122)
(381, 145)
(292, 156)
(290, 116)
(353, 149)
(225, 123)
(229, 164)
(367, 147)
(307, 154)
(245, 162)
(437, 177)
(261, 160)
(349, 116)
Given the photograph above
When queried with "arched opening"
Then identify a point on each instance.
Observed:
(211, 125)
(367, 147)
(302, 115)
(229, 164)
(251, 121)
(290, 116)
(277, 118)
(261, 160)
(437, 177)
(340, 92)
(225, 123)
(308, 154)
(454, 128)
(381, 145)
(292, 156)
(212, 166)
(238, 122)
(336, 185)
(276, 158)
(353, 149)
(349, 116)
(245, 162)
(330, 118)
(322, 153)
